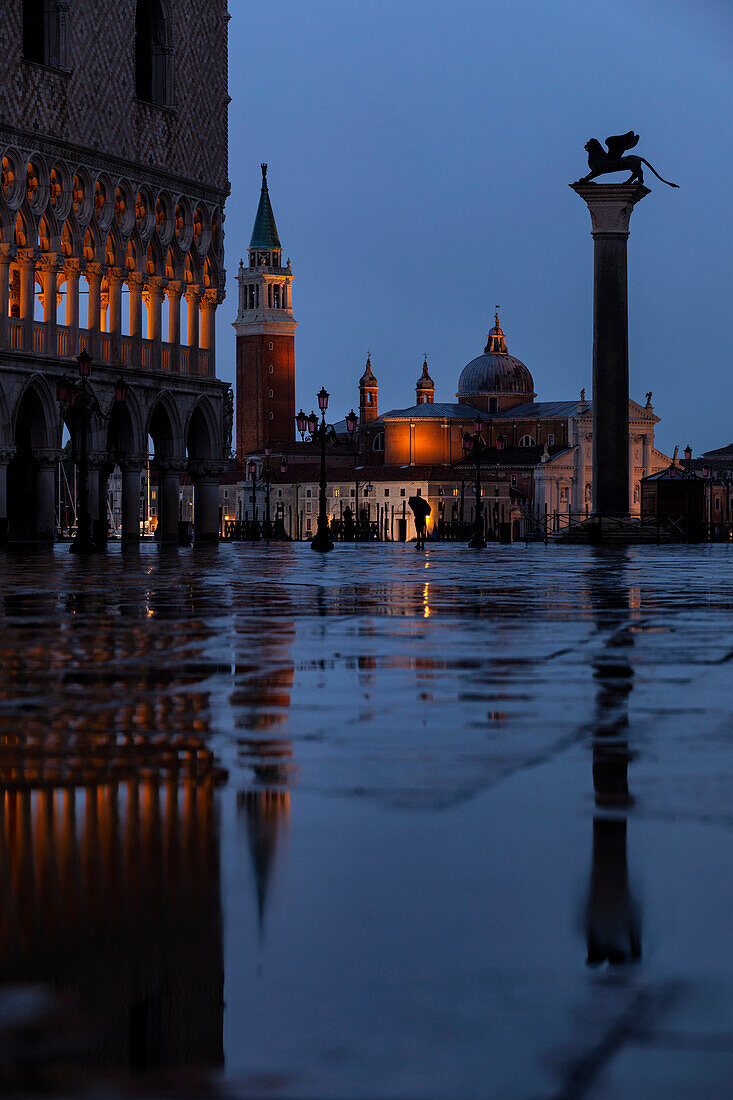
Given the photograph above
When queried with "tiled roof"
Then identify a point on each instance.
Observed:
(538, 410)
(440, 410)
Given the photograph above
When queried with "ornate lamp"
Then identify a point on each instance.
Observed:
(121, 391)
(84, 360)
(313, 423)
(351, 422)
(301, 421)
(283, 467)
(500, 443)
(251, 468)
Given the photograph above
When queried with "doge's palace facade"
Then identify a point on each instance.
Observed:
(113, 138)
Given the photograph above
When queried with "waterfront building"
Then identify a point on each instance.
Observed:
(113, 145)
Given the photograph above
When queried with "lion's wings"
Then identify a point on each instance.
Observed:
(618, 145)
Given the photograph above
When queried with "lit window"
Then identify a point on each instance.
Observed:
(514, 480)
(455, 492)
(337, 492)
(440, 490)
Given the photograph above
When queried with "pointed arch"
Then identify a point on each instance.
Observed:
(153, 53)
(45, 431)
(164, 427)
(202, 432)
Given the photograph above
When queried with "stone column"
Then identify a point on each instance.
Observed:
(7, 255)
(136, 282)
(6, 454)
(154, 302)
(193, 300)
(95, 498)
(115, 278)
(646, 454)
(49, 269)
(45, 494)
(206, 477)
(169, 482)
(131, 471)
(72, 269)
(27, 265)
(610, 206)
(175, 292)
(209, 301)
(94, 273)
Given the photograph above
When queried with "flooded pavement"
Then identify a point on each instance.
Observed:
(379, 824)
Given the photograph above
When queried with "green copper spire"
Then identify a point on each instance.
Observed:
(264, 233)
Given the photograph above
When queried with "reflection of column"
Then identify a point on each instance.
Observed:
(169, 481)
(610, 207)
(612, 922)
(45, 493)
(175, 291)
(206, 477)
(7, 255)
(27, 268)
(131, 470)
(95, 497)
(136, 281)
(94, 274)
(72, 269)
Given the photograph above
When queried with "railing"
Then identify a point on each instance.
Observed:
(112, 349)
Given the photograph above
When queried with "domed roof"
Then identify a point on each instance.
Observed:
(367, 379)
(496, 371)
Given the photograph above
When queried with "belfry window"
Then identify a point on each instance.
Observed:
(153, 71)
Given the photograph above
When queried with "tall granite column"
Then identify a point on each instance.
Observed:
(610, 206)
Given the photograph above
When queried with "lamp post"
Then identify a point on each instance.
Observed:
(82, 543)
(322, 541)
(477, 541)
(268, 452)
(352, 422)
(252, 471)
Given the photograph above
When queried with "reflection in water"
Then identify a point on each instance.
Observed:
(612, 926)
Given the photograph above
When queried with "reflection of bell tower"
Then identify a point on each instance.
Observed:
(265, 330)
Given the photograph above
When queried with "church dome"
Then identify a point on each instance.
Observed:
(496, 371)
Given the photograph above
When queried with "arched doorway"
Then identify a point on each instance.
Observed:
(32, 473)
(204, 473)
(121, 479)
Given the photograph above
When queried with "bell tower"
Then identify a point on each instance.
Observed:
(368, 389)
(265, 330)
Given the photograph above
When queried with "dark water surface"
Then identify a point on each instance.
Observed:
(453, 824)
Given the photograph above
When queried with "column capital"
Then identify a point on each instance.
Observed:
(46, 456)
(136, 278)
(157, 283)
(132, 463)
(210, 299)
(116, 274)
(206, 469)
(95, 269)
(8, 252)
(193, 293)
(6, 455)
(97, 459)
(50, 261)
(170, 465)
(27, 257)
(610, 205)
(72, 266)
(175, 288)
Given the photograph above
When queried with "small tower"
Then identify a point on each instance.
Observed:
(368, 394)
(425, 388)
(265, 330)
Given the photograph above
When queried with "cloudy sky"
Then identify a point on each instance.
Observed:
(419, 161)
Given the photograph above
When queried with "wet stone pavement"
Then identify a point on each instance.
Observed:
(380, 824)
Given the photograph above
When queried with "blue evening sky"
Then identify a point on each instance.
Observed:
(420, 157)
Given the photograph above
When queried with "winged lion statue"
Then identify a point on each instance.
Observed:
(601, 162)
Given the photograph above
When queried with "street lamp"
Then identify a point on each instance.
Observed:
(352, 423)
(688, 457)
(322, 541)
(268, 452)
(301, 421)
(477, 541)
